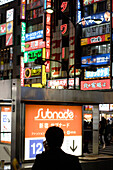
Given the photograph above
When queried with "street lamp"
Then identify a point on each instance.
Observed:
(82, 22)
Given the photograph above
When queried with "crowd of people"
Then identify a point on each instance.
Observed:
(105, 132)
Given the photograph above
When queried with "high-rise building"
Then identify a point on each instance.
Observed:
(96, 45)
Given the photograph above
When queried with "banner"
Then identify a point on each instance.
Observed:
(69, 118)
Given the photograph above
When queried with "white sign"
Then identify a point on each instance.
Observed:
(6, 124)
(9, 15)
(5, 1)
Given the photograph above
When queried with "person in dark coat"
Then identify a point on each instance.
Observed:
(54, 158)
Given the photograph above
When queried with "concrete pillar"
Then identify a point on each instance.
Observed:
(95, 129)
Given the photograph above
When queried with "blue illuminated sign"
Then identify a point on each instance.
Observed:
(45, 3)
(35, 147)
(100, 73)
(104, 16)
(101, 59)
(34, 35)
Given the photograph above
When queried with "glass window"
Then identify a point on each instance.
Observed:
(107, 28)
(108, 48)
(86, 11)
(34, 28)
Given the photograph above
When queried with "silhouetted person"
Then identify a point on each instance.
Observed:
(54, 158)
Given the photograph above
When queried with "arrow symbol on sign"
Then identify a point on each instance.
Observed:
(74, 148)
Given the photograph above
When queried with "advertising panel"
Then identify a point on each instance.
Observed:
(95, 84)
(88, 2)
(9, 39)
(2, 2)
(22, 71)
(100, 73)
(22, 9)
(33, 72)
(34, 35)
(96, 39)
(9, 15)
(62, 83)
(2, 29)
(6, 124)
(23, 31)
(9, 27)
(69, 118)
(33, 45)
(101, 59)
(104, 16)
(48, 34)
(31, 56)
(103, 107)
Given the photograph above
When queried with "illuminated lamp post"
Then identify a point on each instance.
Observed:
(82, 22)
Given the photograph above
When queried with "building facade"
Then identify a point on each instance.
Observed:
(27, 32)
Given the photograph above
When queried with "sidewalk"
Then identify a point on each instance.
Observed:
(96, 162)
(90, 157)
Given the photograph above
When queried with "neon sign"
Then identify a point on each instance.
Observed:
(95, 84)
(100, 59)
(34, 35)
(100, 73)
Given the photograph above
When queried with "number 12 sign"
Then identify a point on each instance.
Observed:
(35, 147)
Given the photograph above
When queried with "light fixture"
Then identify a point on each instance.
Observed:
(49, 10)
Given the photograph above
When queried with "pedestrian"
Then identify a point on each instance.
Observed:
(54, 158)
(102, 126)
(108, 132)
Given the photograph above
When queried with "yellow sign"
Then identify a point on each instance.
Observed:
(9, 27)
(84, 41)
(107, 37)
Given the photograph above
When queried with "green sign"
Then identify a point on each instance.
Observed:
(31, 56)
(23, 32)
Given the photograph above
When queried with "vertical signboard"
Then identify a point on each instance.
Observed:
(6, 124)
(47, 4)
(23, 31)
(69, 118)
(22, 9)
(22, 71)
(9, 26)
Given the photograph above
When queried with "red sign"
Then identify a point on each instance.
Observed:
(96, 39)
(64, 6)
(95, 84)
(48, 34)
(63, 28)
(2, 28)
(33, 45)
(9, 39)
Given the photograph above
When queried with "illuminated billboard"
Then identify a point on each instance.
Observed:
(9, 26)
(2, 29)
(33, 45)
(100, 73)
(95, 84)
(23, 31)
(104, 16)
(6, 124)
(100, 59)
(34, 72)
(31, 56)
(34, 35)
(69, 118)
(96, 39)
(2, 2)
